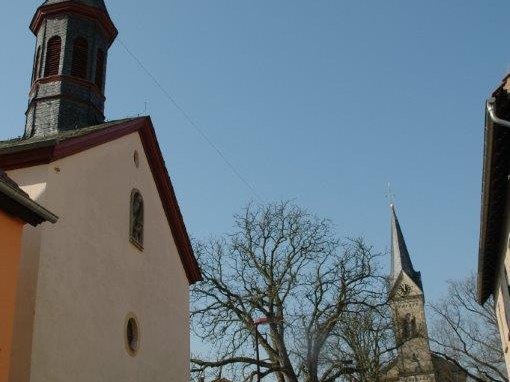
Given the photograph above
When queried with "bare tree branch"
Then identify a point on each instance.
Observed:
(287, 265)
(466, 333)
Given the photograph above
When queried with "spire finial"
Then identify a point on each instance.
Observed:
(390, 196)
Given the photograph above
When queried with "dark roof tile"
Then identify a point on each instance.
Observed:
(18, 144)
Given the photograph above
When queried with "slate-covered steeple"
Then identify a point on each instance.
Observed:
(400, 259)
(69, 71)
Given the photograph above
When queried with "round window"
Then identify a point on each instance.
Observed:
(132, 336)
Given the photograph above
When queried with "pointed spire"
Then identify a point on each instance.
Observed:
(400, 259)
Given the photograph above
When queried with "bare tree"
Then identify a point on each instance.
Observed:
(319, 295)
(466, 333)
(367, 337)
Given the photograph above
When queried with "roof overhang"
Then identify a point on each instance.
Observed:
(96, 14)
(494, 194)
(18, 204)
(48, 151)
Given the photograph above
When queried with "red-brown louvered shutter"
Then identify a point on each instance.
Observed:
(35, 74)
(99, 69)
(80, 58)
(53, 56)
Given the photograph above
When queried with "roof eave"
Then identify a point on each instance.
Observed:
(40, 214)
(167, 193)
(482, 292)
(496, 161)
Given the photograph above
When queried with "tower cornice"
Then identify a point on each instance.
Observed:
(93, 13)
(61, 78)
(64, 97)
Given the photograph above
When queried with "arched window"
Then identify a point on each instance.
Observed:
(80, 58)
(136, 219)
(53, 56)
(35, 73)
(99, 69)
(132, 336)
(409, 326)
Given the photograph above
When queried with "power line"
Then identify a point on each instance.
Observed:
(190, 120)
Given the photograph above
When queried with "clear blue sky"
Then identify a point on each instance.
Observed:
(322, 102)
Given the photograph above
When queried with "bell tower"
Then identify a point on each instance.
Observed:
(69, 71)
(408, 304)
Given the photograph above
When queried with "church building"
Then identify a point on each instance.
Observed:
(103, 294)
(414, 360)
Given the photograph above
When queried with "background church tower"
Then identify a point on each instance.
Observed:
(407, 302)
(68, 80)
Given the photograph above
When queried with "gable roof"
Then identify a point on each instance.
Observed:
(400, 258)
(22, 153)
(16, 202)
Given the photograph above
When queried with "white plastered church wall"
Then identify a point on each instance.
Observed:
(90, 276)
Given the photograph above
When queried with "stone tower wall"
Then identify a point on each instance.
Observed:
(415, 357)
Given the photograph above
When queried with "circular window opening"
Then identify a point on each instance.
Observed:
(132, 336)
(136, 159)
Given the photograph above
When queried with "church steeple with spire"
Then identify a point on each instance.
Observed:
(408, 305)
(69, 71)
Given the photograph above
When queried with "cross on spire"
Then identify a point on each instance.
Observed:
(390, 196)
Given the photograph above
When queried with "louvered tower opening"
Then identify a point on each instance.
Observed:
(35, 73)
(100, 69)
(53, 56)
(80, 58)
